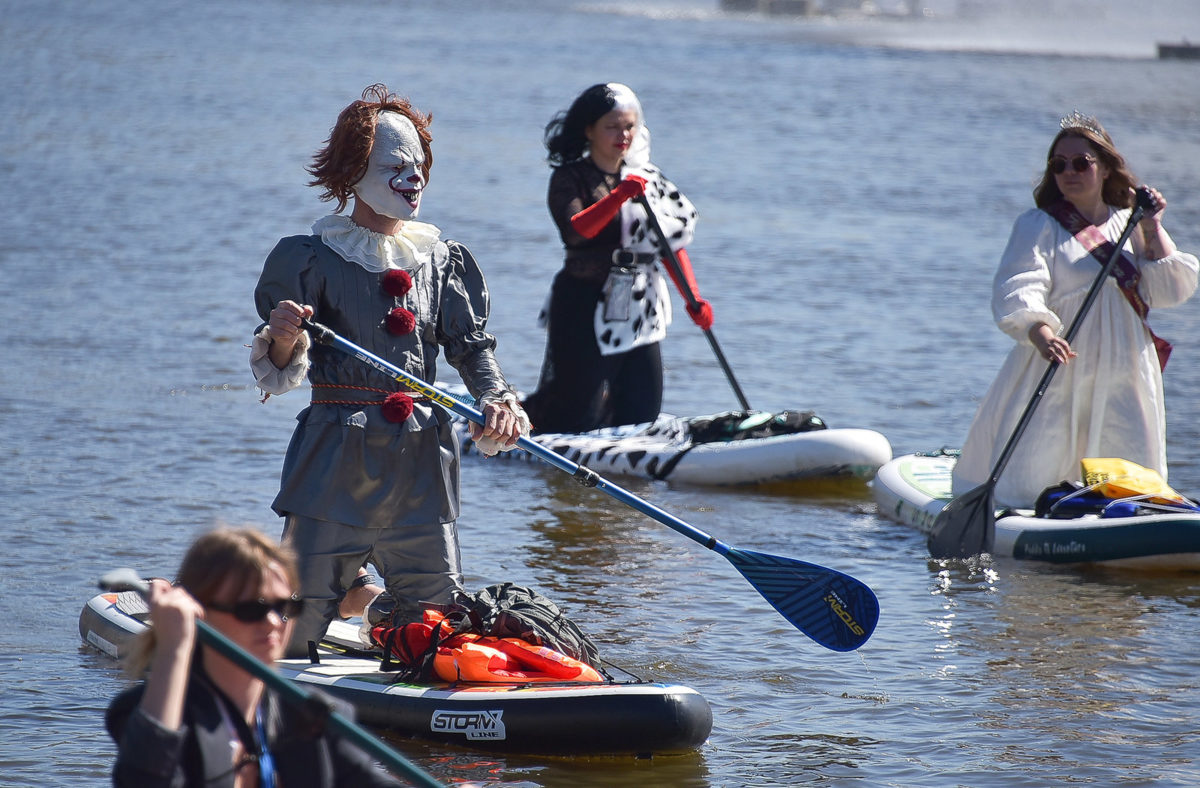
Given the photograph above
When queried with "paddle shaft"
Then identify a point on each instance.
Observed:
(803, 593)
(1093, 293)
(668, 254)
(127, 580)
(585, 476)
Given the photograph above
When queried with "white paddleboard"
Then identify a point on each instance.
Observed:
(913, 488)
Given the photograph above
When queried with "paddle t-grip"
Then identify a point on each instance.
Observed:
(1145, 199)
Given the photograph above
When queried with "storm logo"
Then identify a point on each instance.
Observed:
(839, 609)
(475, 725)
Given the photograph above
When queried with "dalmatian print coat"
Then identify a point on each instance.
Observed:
(649, 298)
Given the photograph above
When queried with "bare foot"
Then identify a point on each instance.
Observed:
(359, 596)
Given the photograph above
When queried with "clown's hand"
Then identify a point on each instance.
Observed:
(504, 422)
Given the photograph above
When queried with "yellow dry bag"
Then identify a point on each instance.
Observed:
(1114, 477)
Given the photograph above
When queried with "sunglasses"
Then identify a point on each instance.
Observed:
(1080, 163)
(254, 610)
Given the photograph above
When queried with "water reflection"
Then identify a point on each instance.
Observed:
(581, 529)
(607, 558)
(1063, 655)
(454, 766)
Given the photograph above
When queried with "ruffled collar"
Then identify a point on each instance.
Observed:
(410, 249)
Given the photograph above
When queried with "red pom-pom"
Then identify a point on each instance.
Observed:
(397, 407)
(400, 321)
(397, 283)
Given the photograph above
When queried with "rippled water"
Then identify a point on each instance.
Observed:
(856, 183)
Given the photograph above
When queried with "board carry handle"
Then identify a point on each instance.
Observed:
(835, 610)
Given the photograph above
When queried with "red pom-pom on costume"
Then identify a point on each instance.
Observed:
(397, 407)
(397, 283)
(400, 321)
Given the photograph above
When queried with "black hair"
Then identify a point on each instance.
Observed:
(564, 137)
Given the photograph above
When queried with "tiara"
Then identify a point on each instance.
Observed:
(1077, 120)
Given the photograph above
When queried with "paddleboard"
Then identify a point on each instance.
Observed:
(913, 488)
(603, 718)
(673, 448)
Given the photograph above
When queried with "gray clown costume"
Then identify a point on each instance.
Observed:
(372, 489)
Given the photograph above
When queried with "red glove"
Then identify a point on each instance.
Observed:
(592, 219)
(701, 314)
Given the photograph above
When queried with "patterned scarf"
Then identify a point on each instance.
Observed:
(1124, 271)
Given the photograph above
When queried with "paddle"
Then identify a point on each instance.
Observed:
(129, 580)
(967, 526)
(833, 609)
(668, 254)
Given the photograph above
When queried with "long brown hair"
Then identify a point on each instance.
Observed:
(225, 557)
(1117, 186)
(342, 162)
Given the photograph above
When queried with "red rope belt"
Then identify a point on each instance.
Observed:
(384, 393)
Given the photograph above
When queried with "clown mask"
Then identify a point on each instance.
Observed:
(393, 181)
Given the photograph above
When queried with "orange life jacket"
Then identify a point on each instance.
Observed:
(471, 657)
(478, 658)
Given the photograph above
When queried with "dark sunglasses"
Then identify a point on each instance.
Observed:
(1080, 163)
(254, 610)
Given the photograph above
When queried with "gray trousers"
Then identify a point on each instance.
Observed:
(419, 563)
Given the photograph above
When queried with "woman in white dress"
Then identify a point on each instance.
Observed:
(1107, 398)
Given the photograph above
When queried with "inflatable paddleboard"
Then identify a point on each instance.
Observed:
(729, 448)
(609, 717)
(913, 488)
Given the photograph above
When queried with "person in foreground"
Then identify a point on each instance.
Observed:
(200, 720)
(608, 307)
(371, 473)
(1107, 399)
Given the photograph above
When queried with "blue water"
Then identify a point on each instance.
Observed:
(856, 182)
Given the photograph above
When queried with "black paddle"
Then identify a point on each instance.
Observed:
(832, 608)
(129, 580)
(967, 526)
(668, 254)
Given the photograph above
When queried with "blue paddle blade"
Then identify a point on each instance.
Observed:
(832, 608)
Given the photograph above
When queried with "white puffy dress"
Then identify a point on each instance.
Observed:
(1108, 401)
